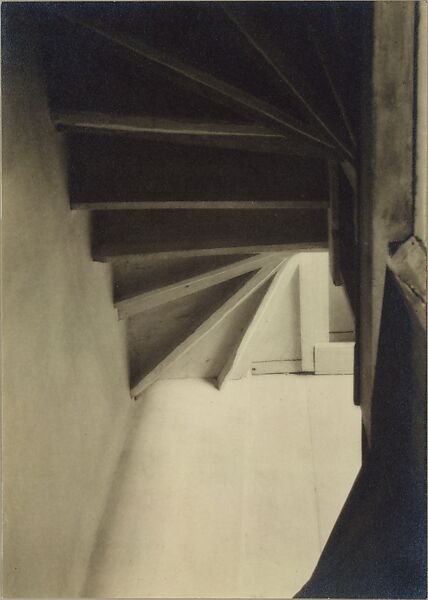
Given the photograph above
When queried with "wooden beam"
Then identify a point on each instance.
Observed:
(207, 85)
(200, 332)
(421, 208)
(156, 297)
(314, 305)
(203, 205)
(249, 138)
(238, 360)
(262, 42)
(386, 200)
(95, 121)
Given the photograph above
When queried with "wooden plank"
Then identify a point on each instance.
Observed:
(238, 361)
(203, 205)
(272, 367)
(206, 232)
(206, 359)
(199, 333)
(314, 305)
(421, 209)
(151, 336)
(206, 84)
(249, 138)
(387, 183)
(163, 127)
(334, 358)
(116, 254)
(276, 59)
(176, 176)
(146, 300)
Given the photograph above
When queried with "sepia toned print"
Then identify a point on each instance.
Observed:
(214, 234)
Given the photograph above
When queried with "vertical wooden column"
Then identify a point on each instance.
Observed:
(314, 313)
(421, 215)
(386, 190)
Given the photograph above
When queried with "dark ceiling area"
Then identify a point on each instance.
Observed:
(209, 105)
(320, 46)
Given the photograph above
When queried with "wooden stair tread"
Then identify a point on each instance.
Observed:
(139, 232)
(106, 168)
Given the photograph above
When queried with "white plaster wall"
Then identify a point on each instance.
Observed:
(65, 390)
(231, 493)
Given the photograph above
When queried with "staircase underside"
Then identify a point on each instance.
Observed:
(213, 142)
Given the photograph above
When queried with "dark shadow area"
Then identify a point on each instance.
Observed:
(378, 546)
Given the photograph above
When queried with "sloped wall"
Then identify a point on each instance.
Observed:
(65, 391)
